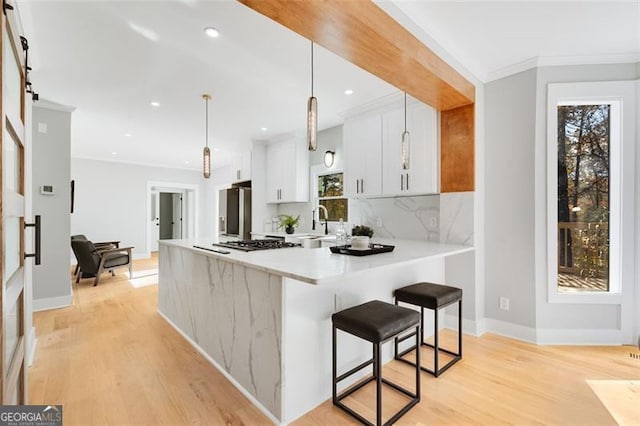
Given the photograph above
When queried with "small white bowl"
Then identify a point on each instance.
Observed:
(360, 242)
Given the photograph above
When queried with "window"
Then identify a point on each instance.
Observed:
(330, 193)
(590, 192)
(583, 197)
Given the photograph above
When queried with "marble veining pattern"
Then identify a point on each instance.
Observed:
(456, 218)
(410, 218)
(234, 313)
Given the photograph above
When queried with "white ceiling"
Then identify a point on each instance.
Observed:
(110, 59)
(490, 37)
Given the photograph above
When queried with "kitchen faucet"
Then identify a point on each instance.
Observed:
(326, 218)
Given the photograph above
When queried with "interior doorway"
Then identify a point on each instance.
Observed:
(172, 211)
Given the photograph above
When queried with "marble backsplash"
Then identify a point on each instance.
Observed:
(446, 218)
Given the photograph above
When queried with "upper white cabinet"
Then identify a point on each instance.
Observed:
(421, 177)
(362, 139)
(241, 167)
(287, 171)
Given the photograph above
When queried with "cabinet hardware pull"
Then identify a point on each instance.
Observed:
(362, 185)
(357, 186)
(38, 252)
(407, 181)
(401, 182)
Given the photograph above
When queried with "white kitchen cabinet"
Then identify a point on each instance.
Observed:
(362, 139)
(422, 175)
(241, 167)
(287, 171)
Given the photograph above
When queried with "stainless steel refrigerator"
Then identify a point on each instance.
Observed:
(235, 212)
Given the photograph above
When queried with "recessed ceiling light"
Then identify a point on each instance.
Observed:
(186, 161)
(155, 103)
(216, 149)
(114, 153)
(211, 32)
(348, 92)
(128, 135)
(264, 129)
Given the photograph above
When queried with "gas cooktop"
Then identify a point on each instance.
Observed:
(252, 245)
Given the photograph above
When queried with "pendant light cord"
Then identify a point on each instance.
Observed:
(206, 121)
(405, 111)
(312, 69)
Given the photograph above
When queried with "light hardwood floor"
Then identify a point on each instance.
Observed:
(111, 359)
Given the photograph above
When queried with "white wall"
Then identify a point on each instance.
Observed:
(509, 197)
(570, 319)
(51, 136)
(515, 208)
(111, 200)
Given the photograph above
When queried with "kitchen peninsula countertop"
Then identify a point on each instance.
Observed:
(319, 265)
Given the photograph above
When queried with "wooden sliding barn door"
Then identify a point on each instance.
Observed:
(12, 205)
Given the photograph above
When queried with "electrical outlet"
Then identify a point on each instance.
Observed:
(433, 222)
(504, 303)
(379, 222)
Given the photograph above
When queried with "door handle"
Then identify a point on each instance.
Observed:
(38, 252)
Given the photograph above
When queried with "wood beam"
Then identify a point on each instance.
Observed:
(363, 34)
(457, 154)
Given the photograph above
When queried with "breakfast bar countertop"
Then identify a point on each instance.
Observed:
(319, 265)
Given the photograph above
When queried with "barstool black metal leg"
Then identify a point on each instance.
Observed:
(376, 363)
(435, 344)
(460, 327)
(418, 337)
(335, 369)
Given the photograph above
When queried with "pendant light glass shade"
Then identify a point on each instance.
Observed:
(312, 115)
(206, 162)
(406, 138)
(206, 153)
(312, 123)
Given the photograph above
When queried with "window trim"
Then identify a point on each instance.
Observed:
(582, 94)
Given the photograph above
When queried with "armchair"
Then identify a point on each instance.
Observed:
(105, 245)
(94, 261)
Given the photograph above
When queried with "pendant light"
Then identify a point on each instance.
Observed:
(405, 138)
(312, 114)
(206, 154)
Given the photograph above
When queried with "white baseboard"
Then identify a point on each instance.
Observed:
(508, 329)
(52, 303)
(607, 337)
(233, 381)
(137, 256)
(468, 326)
(31, 344)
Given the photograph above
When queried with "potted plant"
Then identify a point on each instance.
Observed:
(288, 222)
(362, 230)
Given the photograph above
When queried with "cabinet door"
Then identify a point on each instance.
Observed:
(274, 172)
(393, 175)
(363, 148)
(241, 167)
(286, 166)
(422, 176)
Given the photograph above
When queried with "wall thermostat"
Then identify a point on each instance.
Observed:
(47, 190)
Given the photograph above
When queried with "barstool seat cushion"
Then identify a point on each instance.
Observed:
(428, 295)
(375, 321)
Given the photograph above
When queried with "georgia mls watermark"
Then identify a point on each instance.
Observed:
(30, 415)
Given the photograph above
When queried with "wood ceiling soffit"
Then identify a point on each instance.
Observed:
(363, 34)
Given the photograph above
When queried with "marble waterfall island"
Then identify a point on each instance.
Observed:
(263, 318)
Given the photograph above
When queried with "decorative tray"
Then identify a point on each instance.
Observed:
(373, 249)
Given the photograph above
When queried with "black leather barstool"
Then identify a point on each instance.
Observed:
(376, 322)
(435, 297)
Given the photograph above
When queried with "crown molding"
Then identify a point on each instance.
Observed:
(555, 61)
(136, 163)
(45, 103)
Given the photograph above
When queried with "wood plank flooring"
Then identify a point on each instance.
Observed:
(111, 359)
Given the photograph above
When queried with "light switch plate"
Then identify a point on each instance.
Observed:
(42, 128)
